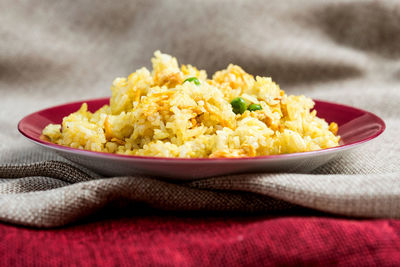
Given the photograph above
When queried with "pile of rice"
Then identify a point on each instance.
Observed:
(158, 114)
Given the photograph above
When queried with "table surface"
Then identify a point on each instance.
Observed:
(195, 239)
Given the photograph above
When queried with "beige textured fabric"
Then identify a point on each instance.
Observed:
(54, 52)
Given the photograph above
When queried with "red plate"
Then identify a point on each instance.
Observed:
(356, 127)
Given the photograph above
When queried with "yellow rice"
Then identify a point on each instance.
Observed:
(158, 114)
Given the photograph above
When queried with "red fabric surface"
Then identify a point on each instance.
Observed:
(218, 241)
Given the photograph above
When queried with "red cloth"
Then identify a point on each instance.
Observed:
(218, 241)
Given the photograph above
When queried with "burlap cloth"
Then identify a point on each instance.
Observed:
(52, 52)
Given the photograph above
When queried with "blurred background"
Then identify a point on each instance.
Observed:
(52, 52)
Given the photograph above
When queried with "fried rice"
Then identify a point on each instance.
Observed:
(162, 114)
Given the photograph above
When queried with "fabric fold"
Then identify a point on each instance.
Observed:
(50, 204)
(68, 194)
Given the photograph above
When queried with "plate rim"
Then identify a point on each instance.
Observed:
(192, 160)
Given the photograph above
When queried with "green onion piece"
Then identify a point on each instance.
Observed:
(239, 106)
(192, 79)
(254, 107)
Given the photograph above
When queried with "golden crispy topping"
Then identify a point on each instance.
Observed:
(333, 127)
(216, 113)
(107, 129)
(118, 141)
